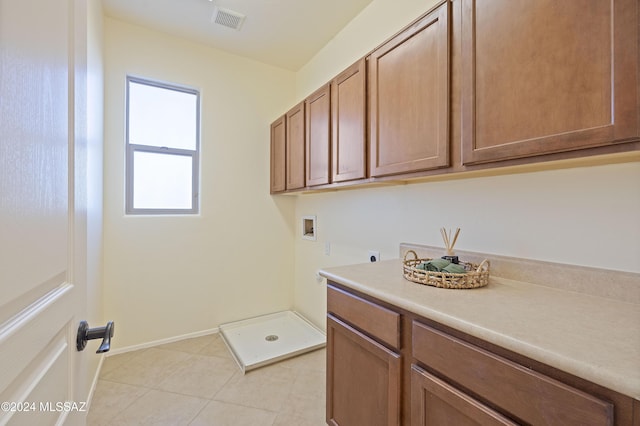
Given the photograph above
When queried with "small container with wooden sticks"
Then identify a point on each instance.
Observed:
(449, 243)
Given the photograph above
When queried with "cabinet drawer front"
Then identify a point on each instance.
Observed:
(435, 402)
(373, 319)
(530, 396)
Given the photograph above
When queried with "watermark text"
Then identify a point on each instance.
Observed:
(42, 406)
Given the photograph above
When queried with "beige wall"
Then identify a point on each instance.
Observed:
(583, 216)
(244, 255)
(170, 276)
(95, 131)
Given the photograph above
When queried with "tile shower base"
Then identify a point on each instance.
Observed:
(266, 339)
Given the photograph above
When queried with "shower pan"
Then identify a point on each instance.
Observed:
(266, 339)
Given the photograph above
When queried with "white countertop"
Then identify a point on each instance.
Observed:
(594, 338)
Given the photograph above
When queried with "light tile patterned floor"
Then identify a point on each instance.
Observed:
(196, 382)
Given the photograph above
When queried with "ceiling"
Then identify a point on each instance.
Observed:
(283, 33)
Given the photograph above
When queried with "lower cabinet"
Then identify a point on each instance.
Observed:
(363, 378)
(521, 392)
(435, 402)
(388, 366)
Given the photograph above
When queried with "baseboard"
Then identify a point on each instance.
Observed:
(94, 382)
(162, 341)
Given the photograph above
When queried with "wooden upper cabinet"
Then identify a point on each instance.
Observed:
(278, 155)
(348, 122)
(547, 76)
(295, 160)
(318, 134)
(409, 98)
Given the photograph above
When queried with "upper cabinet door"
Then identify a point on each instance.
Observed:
(409, 98)
(547, 76)
(295, 160)
(278, 155)
(318, 108)
(348, 109)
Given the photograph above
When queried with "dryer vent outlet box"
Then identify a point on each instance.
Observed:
(309, 230)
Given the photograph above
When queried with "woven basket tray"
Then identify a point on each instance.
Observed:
(477, 275)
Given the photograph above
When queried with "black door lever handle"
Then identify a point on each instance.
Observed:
(85, 333)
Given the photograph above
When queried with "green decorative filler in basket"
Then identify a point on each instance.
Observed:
(446, 272)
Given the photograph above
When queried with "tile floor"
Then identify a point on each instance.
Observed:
(196, 382)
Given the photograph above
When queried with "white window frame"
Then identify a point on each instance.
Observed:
(131, 149)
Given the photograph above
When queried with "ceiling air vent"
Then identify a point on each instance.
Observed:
(228, 18)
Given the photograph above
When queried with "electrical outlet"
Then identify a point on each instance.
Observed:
(374, 256)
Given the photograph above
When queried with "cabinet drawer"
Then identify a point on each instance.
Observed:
(435, 402)
(379, 322)
(525, 394)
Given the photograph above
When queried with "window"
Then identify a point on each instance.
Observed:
(163, 132)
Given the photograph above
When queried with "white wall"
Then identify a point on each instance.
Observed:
(583, 216)
(95, 147)
(169, 276)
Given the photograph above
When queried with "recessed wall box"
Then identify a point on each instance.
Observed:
(309, 230)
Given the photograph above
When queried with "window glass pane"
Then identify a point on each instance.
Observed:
(162, 117)
(161, 181)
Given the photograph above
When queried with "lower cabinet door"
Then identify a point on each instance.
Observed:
(363, 378)
(434, 402)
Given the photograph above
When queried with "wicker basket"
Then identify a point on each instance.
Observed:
(477, 275)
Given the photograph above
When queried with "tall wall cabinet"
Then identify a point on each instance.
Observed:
(477, 84)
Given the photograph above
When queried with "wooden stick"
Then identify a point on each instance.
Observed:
(455, 238)
(445, 238)
(449, 244)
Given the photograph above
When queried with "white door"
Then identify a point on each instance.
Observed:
(42, 291)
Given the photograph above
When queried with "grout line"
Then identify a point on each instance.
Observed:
(292, 378)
